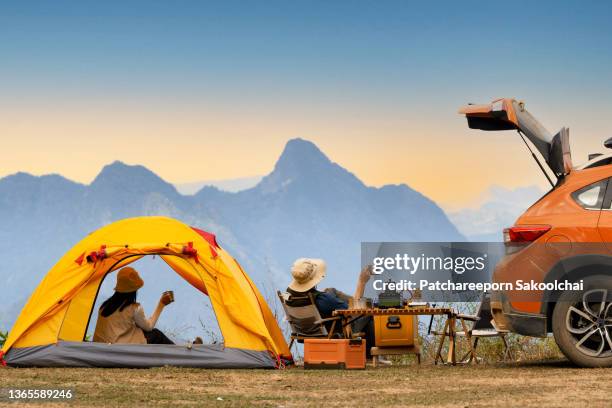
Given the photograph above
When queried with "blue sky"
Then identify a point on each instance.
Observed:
(351, 76)
(414, 45)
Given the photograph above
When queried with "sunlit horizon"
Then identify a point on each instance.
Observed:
(214, 91)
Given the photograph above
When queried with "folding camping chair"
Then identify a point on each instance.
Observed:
(305, 319)
(483, 326)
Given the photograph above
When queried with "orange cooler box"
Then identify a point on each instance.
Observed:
(334, 353)
(394, 331)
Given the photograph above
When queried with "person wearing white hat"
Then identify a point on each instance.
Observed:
(307, 273)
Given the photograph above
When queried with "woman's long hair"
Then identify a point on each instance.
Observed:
(117, 301)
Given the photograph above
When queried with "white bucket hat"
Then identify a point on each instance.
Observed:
(307, 273)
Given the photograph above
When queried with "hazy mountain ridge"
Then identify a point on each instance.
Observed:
(499, 208)
(307, 206)
(230, 185)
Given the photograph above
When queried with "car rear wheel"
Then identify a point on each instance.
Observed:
(582, 323)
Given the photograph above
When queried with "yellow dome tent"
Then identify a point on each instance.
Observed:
(51, 328)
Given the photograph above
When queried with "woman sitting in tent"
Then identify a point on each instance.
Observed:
(122, 320)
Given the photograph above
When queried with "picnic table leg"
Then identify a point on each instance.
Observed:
(331, 330)
(348, 333)
(442, 338)
(451, 341)
(468, 336)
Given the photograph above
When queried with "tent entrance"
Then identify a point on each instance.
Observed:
(191, 315)
(72, 323)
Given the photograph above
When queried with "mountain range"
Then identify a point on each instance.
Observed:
(498, 209)
(308, 206)
(231, 185)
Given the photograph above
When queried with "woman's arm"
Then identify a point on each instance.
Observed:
(144, 323)
(149, 324)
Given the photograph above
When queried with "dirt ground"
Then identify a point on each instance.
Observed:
(555, 383)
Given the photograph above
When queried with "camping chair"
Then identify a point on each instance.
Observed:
(305, 319)
(483, 327)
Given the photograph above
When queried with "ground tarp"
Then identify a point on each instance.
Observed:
(86, 354)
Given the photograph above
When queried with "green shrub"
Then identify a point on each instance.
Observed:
(3, 337)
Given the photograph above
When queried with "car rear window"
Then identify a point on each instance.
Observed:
(591, 197)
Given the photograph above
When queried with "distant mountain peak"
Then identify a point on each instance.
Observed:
(300, 154)
(119, 166)
(121, 169)
(133, 177)
(303, 163)
(20, 176)
(299, 146)
(26, 180)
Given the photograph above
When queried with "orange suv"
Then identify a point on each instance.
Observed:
(562, 244)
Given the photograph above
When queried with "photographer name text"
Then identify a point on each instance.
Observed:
(423, 284)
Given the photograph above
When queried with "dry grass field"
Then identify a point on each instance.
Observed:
(533, 384)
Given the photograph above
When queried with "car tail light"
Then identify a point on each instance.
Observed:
(525, 233)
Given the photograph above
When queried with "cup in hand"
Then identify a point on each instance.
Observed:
(170, 295)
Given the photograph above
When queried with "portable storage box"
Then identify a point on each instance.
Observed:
(394, 331)
(334, 353)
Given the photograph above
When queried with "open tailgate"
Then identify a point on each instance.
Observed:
(509, 114)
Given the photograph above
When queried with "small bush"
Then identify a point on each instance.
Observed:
(3, 337)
